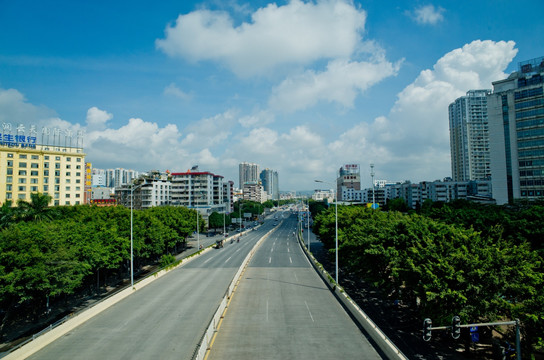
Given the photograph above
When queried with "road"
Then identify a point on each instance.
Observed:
(163, 320)
(283, 310)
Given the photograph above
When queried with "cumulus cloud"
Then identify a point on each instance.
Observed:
(296, 33)
(259, 118)
(210, 132)
(97, 119)
(340, 83)
(428, 15)
(419, 140)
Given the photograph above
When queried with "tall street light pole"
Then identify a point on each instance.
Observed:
(308, 224)
(336, 224)
(131, 234)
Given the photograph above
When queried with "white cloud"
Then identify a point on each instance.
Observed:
(428, 15)
(340, 83)
(97, 119)
(296, 33)
(210, 132)
(261, 118)
(173, 90)
(419, 141)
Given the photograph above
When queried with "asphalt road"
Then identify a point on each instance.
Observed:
(283, 310)
(163, 320)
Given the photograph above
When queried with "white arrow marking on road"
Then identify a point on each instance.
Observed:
(309, 312)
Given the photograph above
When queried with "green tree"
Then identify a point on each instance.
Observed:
(215, 220)
(37, 209)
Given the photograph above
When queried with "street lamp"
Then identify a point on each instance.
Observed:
(336, 223)
(131, 236)
(308, 224)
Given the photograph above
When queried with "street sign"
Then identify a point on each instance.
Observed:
(474, 334)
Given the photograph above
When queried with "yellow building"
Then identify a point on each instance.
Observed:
(54, 170)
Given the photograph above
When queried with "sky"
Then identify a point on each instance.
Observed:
(301, 87)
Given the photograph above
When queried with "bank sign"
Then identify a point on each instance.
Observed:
(19, 139)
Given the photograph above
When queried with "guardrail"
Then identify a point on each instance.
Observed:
(204, 344)
(387, 347)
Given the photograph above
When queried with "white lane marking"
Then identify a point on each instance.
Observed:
(267, 309)
(291, 260)
(271, 250)
(269, 260)
(287, 249)
(296, 278)
(309, 312)
(226, 261)
(238, 250)
(209, 259)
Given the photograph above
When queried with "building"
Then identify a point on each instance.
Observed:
(324, 195)
(228, 196)
(349, 183)
(469, 137)
(254, 192)
(516, 132)
(26, 167)
(201, 190)
(270, 181)
(248, 173)
(149, 190)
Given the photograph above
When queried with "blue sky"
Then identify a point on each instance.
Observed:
(301, 87)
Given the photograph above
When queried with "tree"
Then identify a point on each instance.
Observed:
(35, 210)
(215, 220)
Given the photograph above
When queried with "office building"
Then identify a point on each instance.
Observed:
(516, 132)
(57, 171)
(469, 137)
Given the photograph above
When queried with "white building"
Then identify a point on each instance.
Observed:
(469, 137)
(248, 173)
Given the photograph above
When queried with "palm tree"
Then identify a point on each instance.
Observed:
(37, 209)
(7, 214)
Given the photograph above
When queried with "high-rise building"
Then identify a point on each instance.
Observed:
(349, 179)
(249, 174)
(269, 180)
(469, 137)
(516, 133)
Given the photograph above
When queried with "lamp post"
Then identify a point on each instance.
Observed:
(373, 190)
(308, 224)
(131, 235)
(336, 224)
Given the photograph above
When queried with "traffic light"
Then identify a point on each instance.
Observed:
(456, 327)
(427, 328)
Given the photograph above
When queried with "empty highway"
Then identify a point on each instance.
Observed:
(283, 310)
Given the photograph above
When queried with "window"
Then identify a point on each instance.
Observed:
(67, 203)
(9, 171)
(67, 196)
(57, 188)
(46, 165)
(68, 173)
(67, 181)
(22, 164)
(33, 181)
(8, 196)
(46, 179)
(77, 195)
(22, 188)
(22, 181)
(46, 157)
(10, 155)
(22, 156)
(78, 167)
(46, 188)
(57, 165)
(9, 187)
(78, 159)
(78, 174)
(57, 158)
(34, 188)
(10, 163)
(22, 172)
(68, 166)
(68, 159)
(67, 188)
(34, 157)
(9, 179)
(33, 173)
(57, 172)
(57, 180)
(78, 181)
(57, 203)
(34, 165)
(22, 196)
